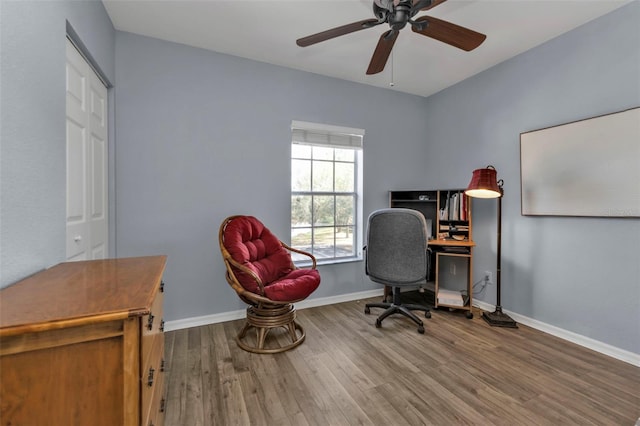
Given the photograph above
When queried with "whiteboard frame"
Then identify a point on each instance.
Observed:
(589, 167)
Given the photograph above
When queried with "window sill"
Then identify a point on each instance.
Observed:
(322, 262)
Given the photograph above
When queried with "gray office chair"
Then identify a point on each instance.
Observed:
(396, 256)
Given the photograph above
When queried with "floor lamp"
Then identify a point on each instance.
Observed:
(484, 184)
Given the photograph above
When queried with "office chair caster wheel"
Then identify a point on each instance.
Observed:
(421, 330)
(367, 310)
(427, 314)
(378, 323)
(470, 315)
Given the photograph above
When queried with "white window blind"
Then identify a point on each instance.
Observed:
(305, 133)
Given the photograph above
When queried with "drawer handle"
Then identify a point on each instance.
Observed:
(150, 322)
(161, 325)
(150, 377)
(162, 365)
(162, 404)
(161, 286)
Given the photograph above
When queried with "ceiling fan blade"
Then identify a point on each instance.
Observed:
(382, 52)
(336, 32)
(425, 4)
(446, 32)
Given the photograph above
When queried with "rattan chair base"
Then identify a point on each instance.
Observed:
(265, 318)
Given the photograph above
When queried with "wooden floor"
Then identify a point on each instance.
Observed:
(348, 372)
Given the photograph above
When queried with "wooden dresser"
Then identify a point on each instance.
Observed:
(82, 343)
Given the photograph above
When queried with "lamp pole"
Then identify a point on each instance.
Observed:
(499, 250)
(497, 317)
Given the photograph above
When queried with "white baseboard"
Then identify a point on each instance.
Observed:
(204, 320)
(321, 301)
(603, 348)
(239, 314)
(578, 339)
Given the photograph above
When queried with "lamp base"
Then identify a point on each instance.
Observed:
(498, 318)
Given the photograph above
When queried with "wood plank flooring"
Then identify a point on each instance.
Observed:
(348, 372)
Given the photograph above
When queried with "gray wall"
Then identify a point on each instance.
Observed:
(579, 274)
(32, 134)
(201, 136)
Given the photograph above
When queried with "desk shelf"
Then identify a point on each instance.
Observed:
(449, 219)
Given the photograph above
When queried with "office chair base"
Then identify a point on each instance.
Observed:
(420, 327)
(393, 308)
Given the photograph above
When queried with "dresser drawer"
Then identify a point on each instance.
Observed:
(152, 377)
(155, 416)
(152, 324)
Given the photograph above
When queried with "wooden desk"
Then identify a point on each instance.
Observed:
(440, 250)
(441, 247)
(81, 343)
(452, 243)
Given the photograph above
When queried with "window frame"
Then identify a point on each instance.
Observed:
(337, 137)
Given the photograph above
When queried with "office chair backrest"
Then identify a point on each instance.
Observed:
(396, 248)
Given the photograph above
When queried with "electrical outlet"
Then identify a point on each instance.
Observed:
(488, 278)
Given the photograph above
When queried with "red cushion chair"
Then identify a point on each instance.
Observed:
(260, 270)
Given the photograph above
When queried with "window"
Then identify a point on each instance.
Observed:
(326, 192)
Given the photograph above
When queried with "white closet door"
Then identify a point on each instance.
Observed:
(87, 204)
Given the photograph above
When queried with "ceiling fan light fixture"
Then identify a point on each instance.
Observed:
(391, 4)
(384, 4)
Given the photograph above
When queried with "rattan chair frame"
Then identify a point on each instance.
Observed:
(263, 314)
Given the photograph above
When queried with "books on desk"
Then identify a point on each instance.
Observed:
(450, 297)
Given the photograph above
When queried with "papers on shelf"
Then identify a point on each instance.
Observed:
(450, 297)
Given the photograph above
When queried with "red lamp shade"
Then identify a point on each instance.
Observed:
(484, 184)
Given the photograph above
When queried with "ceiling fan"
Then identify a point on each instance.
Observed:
(399, 13)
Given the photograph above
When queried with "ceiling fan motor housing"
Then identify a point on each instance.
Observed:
(400, 16)
(396, 14)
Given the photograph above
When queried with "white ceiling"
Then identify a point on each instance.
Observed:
(266, 31)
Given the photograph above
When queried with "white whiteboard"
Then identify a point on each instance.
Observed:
(585, 168)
